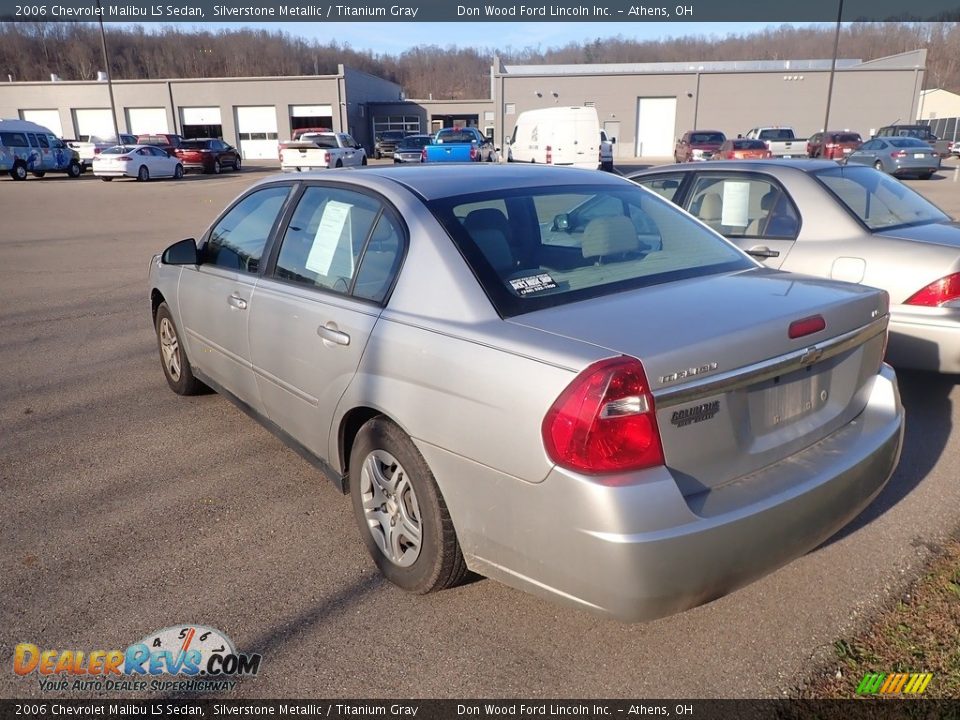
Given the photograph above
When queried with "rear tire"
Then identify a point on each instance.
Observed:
(878, 165)
(38, 173)
(173, 357)
(926, 176)
(363, 160)
(106, 179)
(401, 514)
(339, 163)
(19, 171)
(178, 172)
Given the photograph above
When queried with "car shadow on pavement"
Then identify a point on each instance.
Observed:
(926, 400)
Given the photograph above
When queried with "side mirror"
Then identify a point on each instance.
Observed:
(613, 141)
(496, 149)
(181, 253)
(561, 222)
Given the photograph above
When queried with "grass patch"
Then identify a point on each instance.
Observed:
(919, 633)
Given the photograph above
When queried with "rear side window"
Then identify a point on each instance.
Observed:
(665, 186)
(14, 139)
(740, 205)
(534, 248)
(237, 240)
(341, 241)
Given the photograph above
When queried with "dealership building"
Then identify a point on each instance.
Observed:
(645, 106)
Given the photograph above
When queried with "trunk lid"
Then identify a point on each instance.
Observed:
(733, 392)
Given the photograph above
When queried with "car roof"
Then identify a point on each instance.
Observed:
(772, 164)
(443, 180)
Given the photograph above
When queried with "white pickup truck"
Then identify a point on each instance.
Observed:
(321, 150)
(780, 141)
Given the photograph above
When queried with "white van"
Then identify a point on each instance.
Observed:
(28, 148)
(557, 136)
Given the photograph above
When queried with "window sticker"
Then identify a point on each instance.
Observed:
(533, 284)
(736, 204)
(333, 228)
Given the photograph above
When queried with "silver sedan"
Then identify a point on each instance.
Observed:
(545, 375)
(900, 156)
(847, 223)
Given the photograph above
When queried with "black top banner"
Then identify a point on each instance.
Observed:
(615, 11)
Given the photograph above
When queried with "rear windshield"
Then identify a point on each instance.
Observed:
(879, 201)
(392, 135)
(704, 138)
(905, 142)
(117, 150)
(416, 142)
(535, 248)
(455, 136)
(749, 145)
(846, 138)
(776, 134)
(195, 144)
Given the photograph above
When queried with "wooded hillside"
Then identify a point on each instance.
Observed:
(32, 51)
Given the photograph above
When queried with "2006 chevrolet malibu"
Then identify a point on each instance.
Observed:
(551, 377)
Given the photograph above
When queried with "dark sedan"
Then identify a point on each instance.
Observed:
(208, 154)
(410, 148)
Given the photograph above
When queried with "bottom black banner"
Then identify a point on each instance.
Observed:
(866, 709)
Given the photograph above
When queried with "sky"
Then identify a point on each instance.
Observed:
(394, 38)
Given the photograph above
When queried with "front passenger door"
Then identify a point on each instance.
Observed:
(216, 296)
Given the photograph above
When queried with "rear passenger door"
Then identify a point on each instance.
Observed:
(316, 306)
(750, 209)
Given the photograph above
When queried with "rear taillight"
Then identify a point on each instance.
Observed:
(898, 154)
(474, 153)
(326, 158)
(604, 421)
(806, 326)
(123, 157)
(423, 155)
(736, 156)
(937, 293)
(96, 151)
(549, 155)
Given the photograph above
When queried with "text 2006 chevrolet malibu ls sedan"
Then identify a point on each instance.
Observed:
(549, 376)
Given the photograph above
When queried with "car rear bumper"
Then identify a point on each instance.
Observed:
(642, 550)
(112, 173)
(923, 338)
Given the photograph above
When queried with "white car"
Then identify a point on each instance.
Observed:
(137, 161)
(955, 148)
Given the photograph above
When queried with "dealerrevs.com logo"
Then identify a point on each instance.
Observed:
(180, 658)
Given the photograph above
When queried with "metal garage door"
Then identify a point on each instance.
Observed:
(197, 122)
(147, 121)
(257, 130)
(50, 119)
(656, 118)
(311, 116)
(93, 123)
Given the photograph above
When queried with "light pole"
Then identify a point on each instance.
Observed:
(106, 64)
(833, 67)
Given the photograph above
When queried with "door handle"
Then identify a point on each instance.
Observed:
(235, 301)
(330, 333)
(763, 251)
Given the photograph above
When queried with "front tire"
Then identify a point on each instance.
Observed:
(74, 170)
(106, 179)
(143, 175)
(402, 517)
(173, 358)
(236, 164)
(363, 160)
(217, 167)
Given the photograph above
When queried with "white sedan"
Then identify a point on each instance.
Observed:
(137, 161)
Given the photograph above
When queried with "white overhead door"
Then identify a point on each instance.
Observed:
(200, 115)
(91, 122)
(257, 131)
(50, 119)
(656, 118)
(147, 121)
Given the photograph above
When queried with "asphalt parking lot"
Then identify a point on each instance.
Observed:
(128, 509)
